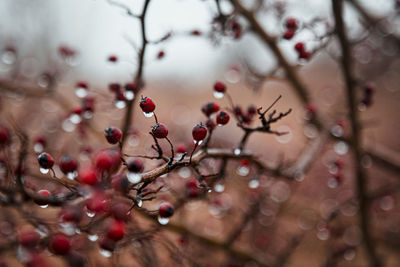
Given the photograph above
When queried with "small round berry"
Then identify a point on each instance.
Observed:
(120, 183)
(252, 110)
(43, 197)
(159, 131)
(107, 160)
(98, 202)
(107, 244)
(112, 58)
(288, 34)
(114, 87)
(60, 244)
(113, 134)
(4, 135)
(222, 118)
(210, 108)
(68, 164)
(210, 124)
(45, 160)
(135, 166)
(199, 132)
(71, 213)
(220, 87)
(160, 54)
(299, 47)
(237, 110)
(28, 238)
(116, 230)
(88, 176)
(291, 23)
(304, 55)
(147, 105)
(181, 148)
(121, 211)
(166, 210)
(82, 84)
(196, 32)
(131, 87)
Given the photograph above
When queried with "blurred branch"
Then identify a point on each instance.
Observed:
(361, 185)
(139, 75)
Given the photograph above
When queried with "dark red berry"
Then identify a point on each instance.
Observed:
(112, 58)
(120, 183)
(45, 160)
(147, 105)
(107, 160)
(68, 164)
(210, 124)
(88, 176)
(196, 32)
(107, 244)
(43, 197)
(236, 29)
(82, 84)
(131, 87)
(4, 135)
(199, 132)
(60, 244)
(220, 87)
(222, 118)
(238, 111)
(299, 47)
(71, 213)
(252, 110)
(304, 55)
(98, 202)
(88, 103)
(288, 34)
(116, 230)
(166, 210)
(114, 87)
(210, 108)
(159, 131)
(121, 211)
(291, 23)
(28, 238)
(160, 54)
(135, 166)
(181, 148)
(113, 134)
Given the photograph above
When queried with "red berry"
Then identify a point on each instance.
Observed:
(98, 202)
(40, 140)
(238, 111)
(68, 164)
(196, 32)
(304, 55)
(222, 118)
(60, 244)
(210, 108)
(43, 197)
(236, 29)
(112, 58)
(45, 160)
(88, 176)
(288, 34)
(113, 134)
(210, 124)
(299, 47)
(160, 54)
(28, 238)
(114, 87)
(311, 109)
(82, 84)
(291, 23)
(116, 230)
(71, 213)
(199, 132)
(107, 160)
(159, 131)
(120, 183)
(88, 103)
(181, 148)
(135, 166)
(4, 135)
(220, 87)
(147, 105)
(121, 211)
(131, 87)
(252, 110)
(191, 188)
(107, 244)
(166, 210)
